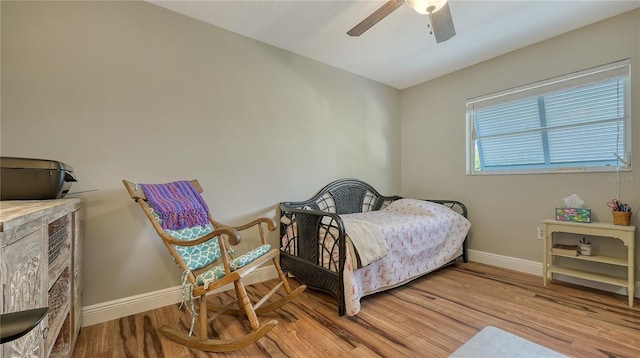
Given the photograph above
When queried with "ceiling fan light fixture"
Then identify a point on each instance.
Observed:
(425, 6)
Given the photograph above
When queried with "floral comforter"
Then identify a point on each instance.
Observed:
(421, 235)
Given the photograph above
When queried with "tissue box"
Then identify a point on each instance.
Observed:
(579, 215)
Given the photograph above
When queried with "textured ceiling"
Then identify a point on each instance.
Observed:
(398, 51)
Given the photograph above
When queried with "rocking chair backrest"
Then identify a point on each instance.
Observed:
(187, 257)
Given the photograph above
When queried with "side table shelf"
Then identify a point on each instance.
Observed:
(603, 231)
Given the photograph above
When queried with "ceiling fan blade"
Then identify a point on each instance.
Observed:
(442, 24)
(386, 9)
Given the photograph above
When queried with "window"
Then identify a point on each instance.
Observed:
(577, 122)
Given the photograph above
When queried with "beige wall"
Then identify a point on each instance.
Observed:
(130, 90)
(506, 209)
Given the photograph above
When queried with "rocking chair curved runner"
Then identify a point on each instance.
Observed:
(202, 247)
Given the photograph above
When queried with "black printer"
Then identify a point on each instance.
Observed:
(34, 179)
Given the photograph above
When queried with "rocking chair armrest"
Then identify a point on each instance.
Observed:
(232, 233)
(271, 224)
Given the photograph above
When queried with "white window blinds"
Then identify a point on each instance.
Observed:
(576, 122)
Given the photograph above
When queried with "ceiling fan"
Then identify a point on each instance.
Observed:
(437, 10)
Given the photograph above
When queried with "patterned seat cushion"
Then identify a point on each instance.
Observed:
(218, 272)
(201, 255)
(196, 256)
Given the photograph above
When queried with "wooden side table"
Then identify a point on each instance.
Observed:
(603, 231)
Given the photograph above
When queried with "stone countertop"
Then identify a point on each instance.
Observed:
(16, 212)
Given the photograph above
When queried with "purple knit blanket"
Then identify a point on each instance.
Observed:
(178, 204)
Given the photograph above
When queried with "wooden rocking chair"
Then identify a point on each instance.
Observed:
(205, 255)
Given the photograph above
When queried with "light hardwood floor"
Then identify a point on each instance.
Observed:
(429, 317)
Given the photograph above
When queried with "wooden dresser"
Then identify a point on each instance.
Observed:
(40, 266)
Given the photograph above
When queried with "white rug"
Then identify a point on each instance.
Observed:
(492, 342)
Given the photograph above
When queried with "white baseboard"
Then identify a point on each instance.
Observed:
(511, 263)
(535, 268)
(127, 306)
